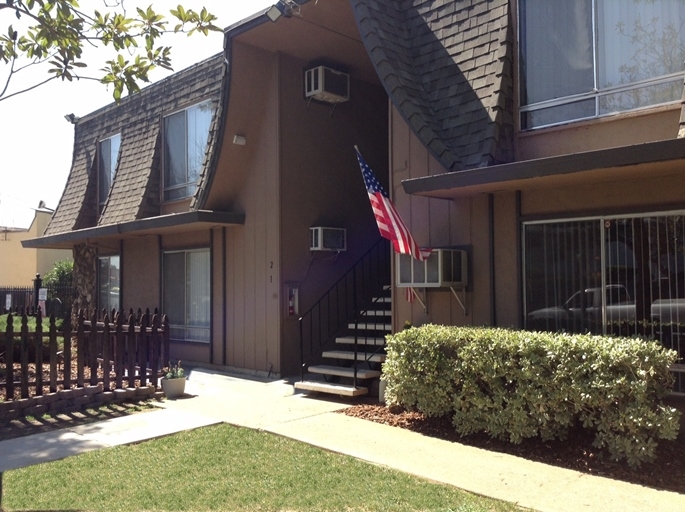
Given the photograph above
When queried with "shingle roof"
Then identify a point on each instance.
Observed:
(447, 67)
(135, 190)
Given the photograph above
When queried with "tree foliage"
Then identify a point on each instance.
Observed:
(60, 274)
(54, 33)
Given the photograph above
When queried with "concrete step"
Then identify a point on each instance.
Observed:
(349, 356)
(371, 326)
(333, 389)
(382, 300)
(377, 312)
(361, 340)
(339, 371)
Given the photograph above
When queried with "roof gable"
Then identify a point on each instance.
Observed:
(134, 193)
(446, 66)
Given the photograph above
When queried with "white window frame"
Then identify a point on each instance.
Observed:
(113, 161)
(183, 331)
(181, 191)
(110, 283)
(596, 94)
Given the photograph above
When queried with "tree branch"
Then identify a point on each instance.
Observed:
(3, 98)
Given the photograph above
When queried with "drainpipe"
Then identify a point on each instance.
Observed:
(491, 242)
(519, 259)
(224, 325)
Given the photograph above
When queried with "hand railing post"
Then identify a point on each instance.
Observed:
(356, 326)
(345, 309)
(302, 363)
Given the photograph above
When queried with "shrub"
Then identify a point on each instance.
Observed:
(61, 274)
(517, 384)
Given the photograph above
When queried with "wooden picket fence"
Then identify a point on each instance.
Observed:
(111, 349)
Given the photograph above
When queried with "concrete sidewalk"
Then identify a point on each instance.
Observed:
(58, 444)
(272, 407)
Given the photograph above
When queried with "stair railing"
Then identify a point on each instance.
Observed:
(362, 315)
(343, 302)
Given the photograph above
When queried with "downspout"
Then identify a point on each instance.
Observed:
(121, 275)
(160, 255)
(224, 286)
(519, 258)
(491, 242)
(211, 295)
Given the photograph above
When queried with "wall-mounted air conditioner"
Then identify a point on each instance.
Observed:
(327, 239)
(326, 84)
(444, 268)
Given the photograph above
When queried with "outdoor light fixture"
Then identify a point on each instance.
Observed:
(280, 8)
(274, 13)
(240, 140)
(72, 118)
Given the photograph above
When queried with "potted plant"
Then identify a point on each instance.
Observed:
(174, 381)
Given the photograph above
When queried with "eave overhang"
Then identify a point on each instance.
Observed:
(521, 174)
(161, 225)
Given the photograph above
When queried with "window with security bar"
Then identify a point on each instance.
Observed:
(621, 276)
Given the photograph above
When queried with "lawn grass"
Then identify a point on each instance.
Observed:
(31, 323)
(227, 468)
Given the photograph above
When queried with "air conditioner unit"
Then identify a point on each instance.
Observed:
(444, 268)
(327, 239)
(326, 84)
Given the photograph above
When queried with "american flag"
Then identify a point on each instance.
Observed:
(389, 222)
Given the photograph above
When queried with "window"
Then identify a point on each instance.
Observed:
(632, 59)
(186, 294)
(108, 153)
(622, 275)
(185, 144)
(108, 283)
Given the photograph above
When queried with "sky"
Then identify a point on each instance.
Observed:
(36, 141)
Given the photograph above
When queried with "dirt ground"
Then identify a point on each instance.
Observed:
(666, 472)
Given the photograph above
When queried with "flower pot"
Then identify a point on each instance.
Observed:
(173, 388)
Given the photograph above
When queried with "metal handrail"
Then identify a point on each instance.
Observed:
(343, 303)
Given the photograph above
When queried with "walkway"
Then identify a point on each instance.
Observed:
(272, 407)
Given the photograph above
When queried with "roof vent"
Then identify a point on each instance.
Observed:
(326, 84)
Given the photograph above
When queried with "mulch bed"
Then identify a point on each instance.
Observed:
(667, 472)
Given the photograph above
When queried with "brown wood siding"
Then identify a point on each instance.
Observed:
(321, 185)
(479, 300)
(247, 180)
(438, 223)
(660, 123)
(140, 272)
(506, 260)
(614, 190)
(187, 240)
(218, 279)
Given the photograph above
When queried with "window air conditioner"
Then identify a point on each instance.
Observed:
(444, 268)
(327, 239)
(326, 84)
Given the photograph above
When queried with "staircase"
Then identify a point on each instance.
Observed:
(342, 337)
(364, 343)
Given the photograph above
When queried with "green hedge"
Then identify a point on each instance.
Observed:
(517, 384)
